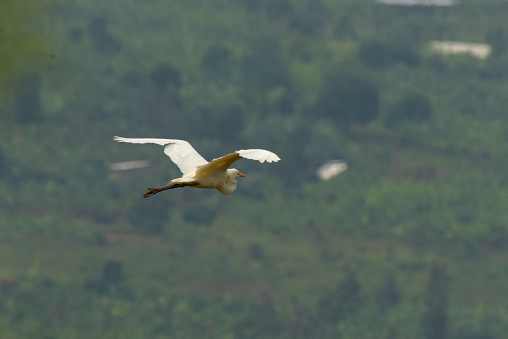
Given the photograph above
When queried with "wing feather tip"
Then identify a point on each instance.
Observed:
(260, 155)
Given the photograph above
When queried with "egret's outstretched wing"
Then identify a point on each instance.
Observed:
(180, 152)
(161, 142)
(222, 163)
(184, 156)
(260, 155)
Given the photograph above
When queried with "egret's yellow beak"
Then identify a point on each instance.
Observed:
(241, 174)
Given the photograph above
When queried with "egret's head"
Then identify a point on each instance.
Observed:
(229, 185)
(234, 173)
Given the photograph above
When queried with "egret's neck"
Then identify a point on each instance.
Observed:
(229, 185)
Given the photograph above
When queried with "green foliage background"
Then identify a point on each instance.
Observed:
(409, 242)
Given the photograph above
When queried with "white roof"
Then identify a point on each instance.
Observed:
(480, 51)
(443, 3)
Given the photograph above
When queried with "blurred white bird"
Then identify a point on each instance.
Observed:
(331, 169)
(197, 172)
(129, 165)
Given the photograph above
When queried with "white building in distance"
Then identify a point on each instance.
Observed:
(480, 51)
(439, 3)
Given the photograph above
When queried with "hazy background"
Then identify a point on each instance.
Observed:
(409, 242)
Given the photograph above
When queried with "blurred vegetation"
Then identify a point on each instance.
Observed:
(409, 242)
(22, 44)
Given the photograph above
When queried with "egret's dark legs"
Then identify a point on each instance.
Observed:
(152, 191)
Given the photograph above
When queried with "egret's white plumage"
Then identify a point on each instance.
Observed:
(197, 172)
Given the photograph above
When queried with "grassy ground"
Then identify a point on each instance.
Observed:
(226, 259)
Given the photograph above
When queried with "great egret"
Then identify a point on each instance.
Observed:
(197, 172)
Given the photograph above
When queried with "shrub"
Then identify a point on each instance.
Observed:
(279, 9)
(413, 107)
(3, 162)
(377, 54)
(343, 301)
(149, 215)
(164, 75)
(264, 68)
(102, 41)
(201, 213)
(348, 97)
(435, 321)
(28, 106)
(389, 294)
(217, 60)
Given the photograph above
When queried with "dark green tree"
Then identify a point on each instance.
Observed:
(3, 163)
(112, 273)
(102, 41)
(111, 280)
(166, 75)
(312, 20)
(217, 60)
(497, 38)
(255, 252)
(201, 212)
(348, 96)
(414, 107)
(262, 321)
(377, 54)
(435, 320)
(149, 215)
(342, 301)
(389, 294)
(28, 106)
(265, 68)
(227, 118)
(279, 9)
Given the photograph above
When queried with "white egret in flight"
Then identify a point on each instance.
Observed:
(197, 172)
(331, 169)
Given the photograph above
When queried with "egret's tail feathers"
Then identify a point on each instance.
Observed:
(152, 191)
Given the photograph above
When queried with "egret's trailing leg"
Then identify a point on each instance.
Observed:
(152, 191)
